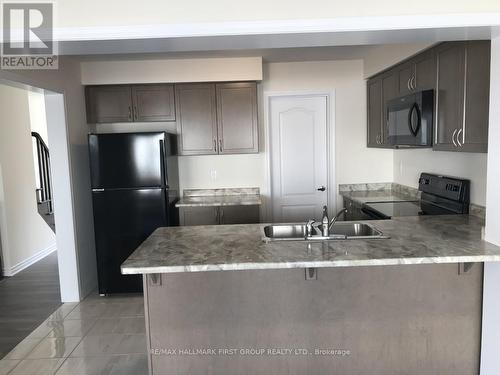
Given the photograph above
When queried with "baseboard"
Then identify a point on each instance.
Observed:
(29, 261)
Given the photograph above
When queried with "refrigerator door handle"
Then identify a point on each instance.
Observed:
(162, 164)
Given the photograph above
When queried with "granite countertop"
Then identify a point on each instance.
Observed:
(414, 240)
(385, 192)
(220, 197)
(377, 196)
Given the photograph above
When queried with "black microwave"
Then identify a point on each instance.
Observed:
(410, 120)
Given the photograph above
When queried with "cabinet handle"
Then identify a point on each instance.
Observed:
(453, 138)
(221, 215)
(135, 113)
(129, 112)
(215, 145)
(408, 84)
(220, 145)
(413, 82)
(216, 214)
(458, 137)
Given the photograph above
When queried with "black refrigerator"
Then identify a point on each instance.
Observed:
(135, 185)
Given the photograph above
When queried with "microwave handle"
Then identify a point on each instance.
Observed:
(414, 128)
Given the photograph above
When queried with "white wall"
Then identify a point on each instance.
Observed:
(172, 70)
(68, 139)
(490, 361)
(25, 235)
(38, 116)
(378, 58)
(408, 164)
(493, 191)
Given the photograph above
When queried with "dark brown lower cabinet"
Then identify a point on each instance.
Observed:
(199, 216)
(220, 215)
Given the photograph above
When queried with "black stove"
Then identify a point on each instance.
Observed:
(440, 195)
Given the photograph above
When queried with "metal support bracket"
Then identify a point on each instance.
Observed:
(464, 268)
(311, 274)
(155, 279)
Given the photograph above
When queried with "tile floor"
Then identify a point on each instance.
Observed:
(100, 335)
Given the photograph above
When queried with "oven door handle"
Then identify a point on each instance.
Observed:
(414, 128)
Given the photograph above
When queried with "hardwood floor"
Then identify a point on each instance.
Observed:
(26, 300)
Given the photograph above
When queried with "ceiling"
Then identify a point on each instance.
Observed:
(273, 47)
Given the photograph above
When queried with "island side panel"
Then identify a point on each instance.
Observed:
(147, 321)
(413, 319)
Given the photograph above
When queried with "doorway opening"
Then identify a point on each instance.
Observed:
(38, 252)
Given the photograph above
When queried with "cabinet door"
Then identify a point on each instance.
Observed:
(449, 95)
(474, 135)
(153, 102)
(406, 74)
(425, 71)
(108, 104)
(374, 112)
(389, 91)
(196, 119)
(237, 118)
(239, 215)
(199, 215)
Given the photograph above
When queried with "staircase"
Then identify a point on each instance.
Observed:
(44, 192)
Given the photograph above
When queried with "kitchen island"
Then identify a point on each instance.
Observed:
(358, 314)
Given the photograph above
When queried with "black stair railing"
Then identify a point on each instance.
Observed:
(44, 193)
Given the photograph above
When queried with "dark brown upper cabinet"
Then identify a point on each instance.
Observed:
(128, 103)
(153, 103)
(462, 103)
(459, 72)
(237, 128)
(374, 96)
(108, 104)
(196, 119)
(217, 118)
(417, 74)
(381, 89)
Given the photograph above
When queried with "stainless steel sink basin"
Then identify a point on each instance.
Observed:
(340, 231)
(356, 230)
(285, 231)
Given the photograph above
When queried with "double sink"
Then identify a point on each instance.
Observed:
(340, 231)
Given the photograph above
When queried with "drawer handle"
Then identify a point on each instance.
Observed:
(220, 145)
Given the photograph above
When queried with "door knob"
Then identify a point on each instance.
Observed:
(321, 188)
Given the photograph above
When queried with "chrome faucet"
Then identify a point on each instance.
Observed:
(334, 220)
(325, 223)
(309, 227)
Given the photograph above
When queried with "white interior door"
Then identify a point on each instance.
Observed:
(299, 167)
